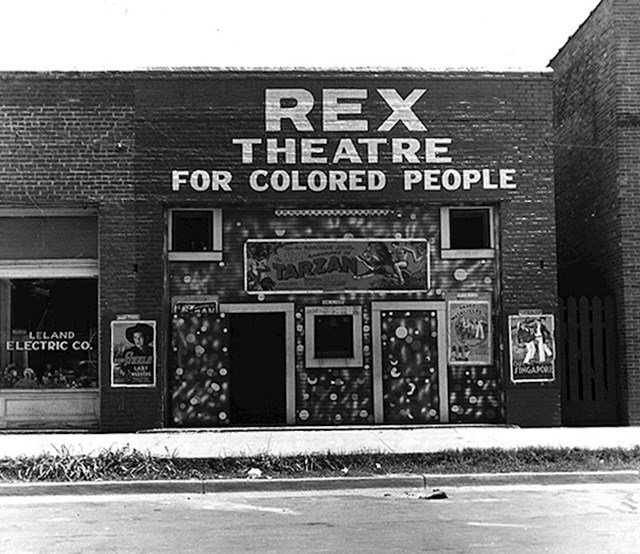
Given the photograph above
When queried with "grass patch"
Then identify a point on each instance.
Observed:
(128, 464)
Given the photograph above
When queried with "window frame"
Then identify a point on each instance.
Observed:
(310, 313)
(446, 252)
(216, 252)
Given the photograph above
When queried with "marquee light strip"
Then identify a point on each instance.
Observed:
(333, 213)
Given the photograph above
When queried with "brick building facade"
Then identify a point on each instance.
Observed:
(319, 248)
(597, 121)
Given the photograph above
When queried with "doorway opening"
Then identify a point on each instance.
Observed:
(258, 384)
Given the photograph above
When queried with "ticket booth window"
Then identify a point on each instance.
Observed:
(467, 232)
(48, 333)
(195, 234)
(333, 336)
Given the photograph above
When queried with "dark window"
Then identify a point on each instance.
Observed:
(469, 228)
(333, 336)
(192, 231)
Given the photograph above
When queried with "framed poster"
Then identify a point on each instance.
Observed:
(470, 331)
(133, 353)
(532, 349)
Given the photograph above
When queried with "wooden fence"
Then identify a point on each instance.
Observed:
(587, 361)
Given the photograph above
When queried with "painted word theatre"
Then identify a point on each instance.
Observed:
(207, 249)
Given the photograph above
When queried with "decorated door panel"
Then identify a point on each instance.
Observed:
(199, 379)
(409, 363)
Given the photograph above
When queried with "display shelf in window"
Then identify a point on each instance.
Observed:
(467, 232)
(195, 234)
(333, 336)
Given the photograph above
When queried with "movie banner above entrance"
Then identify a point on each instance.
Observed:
(532, 348)
(336, 265)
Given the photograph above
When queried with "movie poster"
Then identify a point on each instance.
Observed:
(336, 265)
(133, 353)
(470, 333)
(532, 348)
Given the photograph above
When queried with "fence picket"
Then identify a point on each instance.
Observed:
(573, 352)
(610, 350)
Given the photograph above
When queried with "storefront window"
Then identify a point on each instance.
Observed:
(48, 333)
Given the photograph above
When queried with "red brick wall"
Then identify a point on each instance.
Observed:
(111, 140)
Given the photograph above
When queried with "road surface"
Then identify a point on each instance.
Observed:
(571, 518)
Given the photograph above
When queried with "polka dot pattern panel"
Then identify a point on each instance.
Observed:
(334, 397)
(475, 395)
(200, 371)
(227, 278)
(410, 366)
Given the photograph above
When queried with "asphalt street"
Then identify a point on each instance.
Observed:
(514, 518)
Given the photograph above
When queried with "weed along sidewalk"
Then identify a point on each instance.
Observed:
(124, 471)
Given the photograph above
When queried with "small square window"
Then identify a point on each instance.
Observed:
(195, 234)
(333, 336)
(467, 232)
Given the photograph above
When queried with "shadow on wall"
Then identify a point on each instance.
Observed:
(582, 279)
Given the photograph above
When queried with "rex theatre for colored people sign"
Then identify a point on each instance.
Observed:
(341, 265)
(330, 140)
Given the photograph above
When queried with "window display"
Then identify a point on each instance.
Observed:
(48, 333)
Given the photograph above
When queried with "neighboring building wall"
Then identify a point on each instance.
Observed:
(589, 258)
(626, 17)
(67, 141)
(597, 99)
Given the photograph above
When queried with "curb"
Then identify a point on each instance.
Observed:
(532, 478)
(207, 486)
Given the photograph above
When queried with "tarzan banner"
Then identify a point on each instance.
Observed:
(336, 265)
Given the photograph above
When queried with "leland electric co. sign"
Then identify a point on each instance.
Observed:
(344, 150)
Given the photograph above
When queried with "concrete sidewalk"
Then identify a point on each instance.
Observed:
(216, 443)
